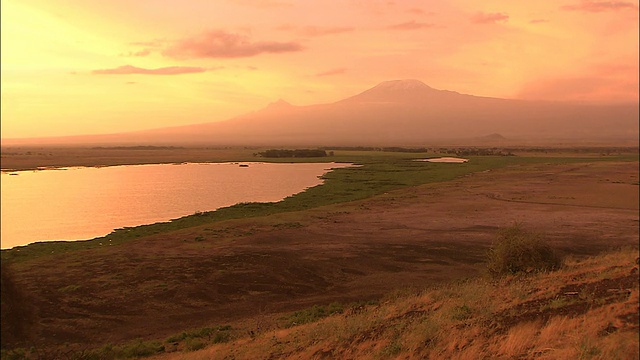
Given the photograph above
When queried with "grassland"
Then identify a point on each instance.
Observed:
(586, 310)
(252, 273)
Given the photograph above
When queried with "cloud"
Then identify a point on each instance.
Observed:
(538, 21)
(221, 44)
(152, 44)
(418, 11)
(332, 72)
(614, 87)
(319, 31)
(411, 25)
(600, 6)
(263, 4)
(143, 52)
(129, 70)
(489, 18)
(139, 53)
(313, 31)
(146, 48)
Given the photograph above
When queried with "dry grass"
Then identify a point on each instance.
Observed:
(477, 319)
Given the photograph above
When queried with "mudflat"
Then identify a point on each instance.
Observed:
(232, 271)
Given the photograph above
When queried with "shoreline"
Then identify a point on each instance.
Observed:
(57, 157)
(32, 158)
(64, 167)
(328, 168)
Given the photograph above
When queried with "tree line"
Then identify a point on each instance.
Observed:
(297, 153)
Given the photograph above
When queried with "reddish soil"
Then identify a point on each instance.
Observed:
(163, 284)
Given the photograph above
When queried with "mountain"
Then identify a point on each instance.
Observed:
(278, 106)
(493, 137)
(402, 112)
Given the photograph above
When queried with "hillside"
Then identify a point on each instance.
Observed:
(400, 112)
(588, 310)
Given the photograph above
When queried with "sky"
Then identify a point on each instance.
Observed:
(72, 67)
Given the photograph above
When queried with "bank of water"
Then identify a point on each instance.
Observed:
(87, 202)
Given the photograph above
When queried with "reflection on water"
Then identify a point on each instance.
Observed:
(83, 203)
(445, 160)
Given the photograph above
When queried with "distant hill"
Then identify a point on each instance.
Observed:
(493, 137)
(399, 112)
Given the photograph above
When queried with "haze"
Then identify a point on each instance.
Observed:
(96, 67)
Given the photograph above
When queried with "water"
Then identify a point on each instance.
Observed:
(85, 202)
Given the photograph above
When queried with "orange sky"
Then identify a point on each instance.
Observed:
(93, 66)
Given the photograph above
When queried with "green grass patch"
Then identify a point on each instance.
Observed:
(214, 334)
(194, 344)
(313, 314)
(556, 303)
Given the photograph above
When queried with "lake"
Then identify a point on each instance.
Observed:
(86, 202)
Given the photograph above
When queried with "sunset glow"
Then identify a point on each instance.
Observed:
(92, 66)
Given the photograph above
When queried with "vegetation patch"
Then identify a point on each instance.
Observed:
(297, 153)
(313, 314)
(517, 251)
(132, 350)
(214, 334)
(462, 312)
(288, 225)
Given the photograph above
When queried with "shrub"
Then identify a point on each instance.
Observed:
(461, 312)
(221, 337)
(313, 314)
(517, 250)
(194, 344)
(141, 349)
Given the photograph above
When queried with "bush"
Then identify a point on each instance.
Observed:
(517, 250)
(140, 349)
(313, 314)
(221, 337)
(194, 344)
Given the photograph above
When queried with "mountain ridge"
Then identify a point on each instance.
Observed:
(397, 112)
